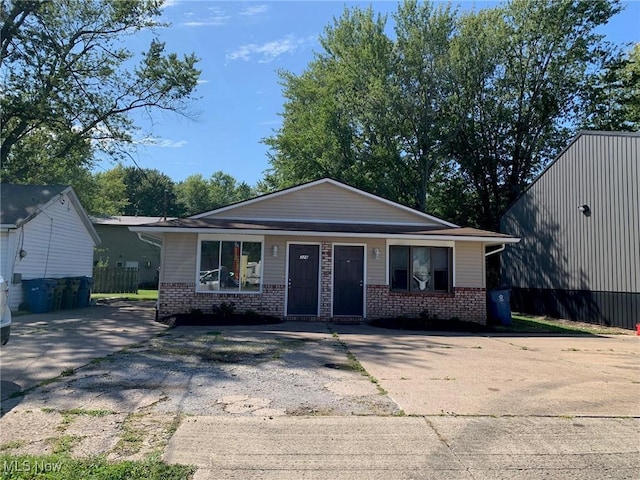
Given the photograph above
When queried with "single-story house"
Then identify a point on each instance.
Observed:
(44, 233)
(580, 224)
(120, 247)
(323, 250)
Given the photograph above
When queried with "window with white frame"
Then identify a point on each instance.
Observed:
(414, 268)
(230, 265)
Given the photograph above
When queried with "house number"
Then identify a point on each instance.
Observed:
(304, 257)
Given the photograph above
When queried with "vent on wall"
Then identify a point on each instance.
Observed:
(17, 278)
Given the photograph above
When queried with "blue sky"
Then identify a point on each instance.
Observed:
(242, 45)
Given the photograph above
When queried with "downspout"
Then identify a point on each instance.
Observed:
(148, 241)
(502, 247)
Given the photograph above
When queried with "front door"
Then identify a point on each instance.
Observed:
(348, 280)
(302, 296)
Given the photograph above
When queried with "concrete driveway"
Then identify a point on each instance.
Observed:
(479, 407)
(43, 345)
(571, 375)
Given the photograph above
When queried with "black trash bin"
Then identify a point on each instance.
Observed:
(58, 290)
(84, 291)
(37, 292)
(52, 285)
(499, 306)
(70, 293)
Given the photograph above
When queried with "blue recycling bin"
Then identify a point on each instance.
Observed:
(499, 307)
(38, 293)
(84, 291)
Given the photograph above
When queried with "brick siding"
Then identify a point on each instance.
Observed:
(182, 298)
(468, 304)
(465, 303)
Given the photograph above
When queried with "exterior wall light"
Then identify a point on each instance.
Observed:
(586, 211)
(376, 253)
(274, 251)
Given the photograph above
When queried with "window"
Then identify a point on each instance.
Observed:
(420, 269)
(230, 266)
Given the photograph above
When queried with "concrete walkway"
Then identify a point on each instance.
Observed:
(43, 345)
(407, 448)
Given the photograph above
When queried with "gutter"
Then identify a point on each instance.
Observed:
(148, 241)
(501, 248)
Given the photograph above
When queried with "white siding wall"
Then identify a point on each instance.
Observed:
(5, 266)
(470, 265)
(57, 245)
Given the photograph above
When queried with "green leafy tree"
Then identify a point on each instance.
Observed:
(108, 193)
(192, 195)
(196, 194)
(521, 72)
(149, 192)
(69, 86)
(614, 103)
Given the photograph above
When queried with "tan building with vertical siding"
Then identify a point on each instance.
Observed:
(323, 250)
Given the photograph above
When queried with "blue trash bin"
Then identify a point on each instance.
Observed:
(84, 291)
(38, 293)
(499, 306)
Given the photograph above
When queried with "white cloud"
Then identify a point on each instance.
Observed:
(254, 10)
(169, 3)
(267, 52)
(161, 142)
(216, 18)
(200, 82)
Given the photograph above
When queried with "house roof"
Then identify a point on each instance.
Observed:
(127, 220)
(371, 230)
(21, 203)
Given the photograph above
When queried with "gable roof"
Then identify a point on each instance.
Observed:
(228, 209)
(21, 203)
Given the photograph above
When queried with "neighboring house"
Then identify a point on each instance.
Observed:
(44, 233)
(121, 247)
(580, 227)
(323, 250)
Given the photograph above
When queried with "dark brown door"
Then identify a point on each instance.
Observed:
(348, 280)
(303, 280)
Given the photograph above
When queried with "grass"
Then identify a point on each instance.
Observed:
(63, 467)
(141, 295)
(531, 324)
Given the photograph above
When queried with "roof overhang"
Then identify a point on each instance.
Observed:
(487, 240)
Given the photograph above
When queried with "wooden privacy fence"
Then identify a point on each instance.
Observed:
(115, 280)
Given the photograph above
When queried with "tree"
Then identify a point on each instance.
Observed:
(69, 86)
(521, 72)
(336, 115)
(192, 195)
(196, 194)
(149, 192)
(615, 100)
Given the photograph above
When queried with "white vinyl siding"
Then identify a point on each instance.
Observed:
(337, 204)
(469, 265)
(5, 268)
(57, 244)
